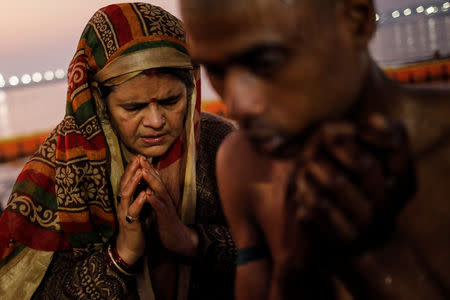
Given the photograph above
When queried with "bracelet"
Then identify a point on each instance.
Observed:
(119, 259)
(116, 262)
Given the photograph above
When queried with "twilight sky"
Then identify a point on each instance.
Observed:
(42, 35)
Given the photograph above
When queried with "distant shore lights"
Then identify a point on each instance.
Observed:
(431, 10)
(26, 79)
(427, 10)
(2, 81)
(13, 80)
(36, 77)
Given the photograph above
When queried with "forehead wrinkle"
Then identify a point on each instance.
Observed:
(202, 6)
(145, 92)
(235, 34)
(215, 9)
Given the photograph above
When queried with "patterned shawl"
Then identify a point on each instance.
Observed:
(64, 199)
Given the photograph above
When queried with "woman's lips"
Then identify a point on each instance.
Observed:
(153, 140)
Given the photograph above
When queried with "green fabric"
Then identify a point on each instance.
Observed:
(155, 44)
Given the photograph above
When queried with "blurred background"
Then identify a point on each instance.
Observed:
(38, 39)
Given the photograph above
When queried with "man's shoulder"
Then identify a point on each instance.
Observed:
(236, 164)
(236, 151)
(424, 111)
(239, 166)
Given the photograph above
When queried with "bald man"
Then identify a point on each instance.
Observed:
(317, 184)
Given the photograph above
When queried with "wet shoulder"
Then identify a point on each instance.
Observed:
(237, 157)
(425, 113)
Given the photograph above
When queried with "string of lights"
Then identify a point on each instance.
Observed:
(386, 17)
(34, 78)
(426, 10)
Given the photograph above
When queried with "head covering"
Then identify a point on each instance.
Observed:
(64, 199)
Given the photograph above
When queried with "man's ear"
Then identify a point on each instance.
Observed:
(359, 18)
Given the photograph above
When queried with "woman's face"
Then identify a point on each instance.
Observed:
(148, 112)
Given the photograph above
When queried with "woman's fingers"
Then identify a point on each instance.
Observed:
(157, 204)
(147, 166)
(131, 169)
(153, 179)
(157, 187)
(145, 163)
(128, 189)
(131, 237)
(136, 207)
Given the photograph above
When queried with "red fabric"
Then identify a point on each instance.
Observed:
(71, 141)
(121, 25)
(174, 154)
(39, 179)
(76, 227)
(30, 235)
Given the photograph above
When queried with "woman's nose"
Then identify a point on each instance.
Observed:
(153, 117)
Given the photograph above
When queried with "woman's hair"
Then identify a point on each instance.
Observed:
(185, 75)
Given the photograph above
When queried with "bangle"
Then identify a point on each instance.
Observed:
(119, 259)
(116, 262)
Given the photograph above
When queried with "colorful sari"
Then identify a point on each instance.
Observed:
(64, 199)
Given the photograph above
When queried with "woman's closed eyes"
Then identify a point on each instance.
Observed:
(167, 102)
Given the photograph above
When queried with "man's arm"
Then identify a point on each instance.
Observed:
(253, 277)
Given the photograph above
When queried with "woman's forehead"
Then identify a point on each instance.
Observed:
(149, 86)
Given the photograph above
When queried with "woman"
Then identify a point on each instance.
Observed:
(115, 203)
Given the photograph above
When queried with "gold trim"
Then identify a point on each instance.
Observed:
(112, 30)
(21, 276)
(189, 202)
(142, 60)
(116, 163)
(78, 90)
(141, 18)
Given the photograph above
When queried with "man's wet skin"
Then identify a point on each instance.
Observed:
(285, 72)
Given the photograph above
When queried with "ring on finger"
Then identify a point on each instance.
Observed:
(131, 219)
(119, 198)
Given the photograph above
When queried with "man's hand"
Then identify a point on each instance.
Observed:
(350, 182)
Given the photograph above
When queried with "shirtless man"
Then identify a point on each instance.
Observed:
(300, 217)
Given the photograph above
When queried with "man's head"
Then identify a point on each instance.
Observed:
(281, 65)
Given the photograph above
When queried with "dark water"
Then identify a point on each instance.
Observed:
(411, 39)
